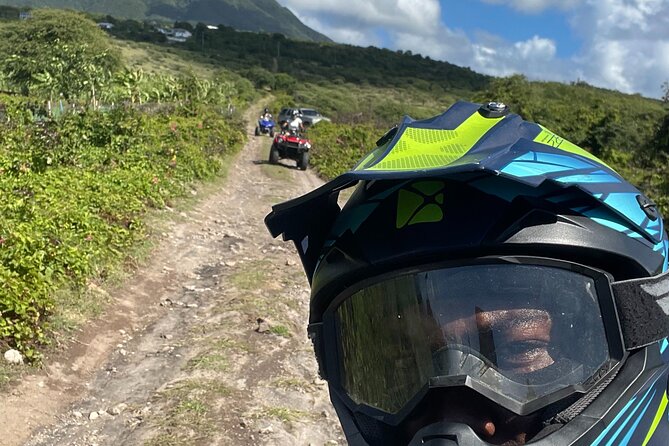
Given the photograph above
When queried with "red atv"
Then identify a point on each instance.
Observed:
(290, 145)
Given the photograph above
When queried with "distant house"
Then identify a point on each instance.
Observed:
(183, 33)
(176, 34)
(25, 15)
(106, 25)
(212, 27)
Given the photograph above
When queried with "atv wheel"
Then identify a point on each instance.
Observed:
(273, 155)
(271, 133)
(303, 162)
(257, 131)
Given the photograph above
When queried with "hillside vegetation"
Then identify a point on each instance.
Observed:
(87, 149)
(249, 15)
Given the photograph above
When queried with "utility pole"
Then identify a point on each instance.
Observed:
(275, 64)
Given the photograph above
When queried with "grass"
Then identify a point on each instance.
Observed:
(242, 346)
(291, 383)
(165, 439)
(185, 423)
(188, 418)
(191, 407)
(364, 103)
(285, 414)
(155, 59)
(276, 172)
(9, 373)
(280, 330)
(210, 361)
(74, 307)
(253, 276)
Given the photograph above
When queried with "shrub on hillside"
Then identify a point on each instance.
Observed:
(338, 147)
(75, 193)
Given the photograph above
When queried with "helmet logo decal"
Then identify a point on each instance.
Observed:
(421, 204)
(551, 139)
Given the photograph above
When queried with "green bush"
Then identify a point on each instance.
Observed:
(338, 147)
(76, 191)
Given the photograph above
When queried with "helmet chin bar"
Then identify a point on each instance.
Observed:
(362, 429)
(446, 434)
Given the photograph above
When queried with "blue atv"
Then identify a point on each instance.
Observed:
(265, 126)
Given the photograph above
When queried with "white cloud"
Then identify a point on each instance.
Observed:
(364, 36)
(536, 48)
(535, 6)
(452, 46)
(415, 16)
(534, 57)
(490, 54)
(625, 43)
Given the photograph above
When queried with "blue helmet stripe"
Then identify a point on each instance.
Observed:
(627, 420)
(627, 437)
(617, 418)
(594, 177)
(613, 423)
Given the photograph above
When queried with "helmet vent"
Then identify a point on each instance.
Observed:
(648, 207)
(494, 110)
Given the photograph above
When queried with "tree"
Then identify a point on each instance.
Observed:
(260, 77)
(660, 141)
(57, 52)
(184, 25)
(285, 82)
(514, 91)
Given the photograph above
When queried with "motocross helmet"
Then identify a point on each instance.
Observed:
(487, 282)
(266, 110)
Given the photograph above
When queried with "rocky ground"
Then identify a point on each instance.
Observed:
(205, 345)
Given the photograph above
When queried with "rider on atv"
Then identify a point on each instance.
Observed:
(295, 125)
(266, 115)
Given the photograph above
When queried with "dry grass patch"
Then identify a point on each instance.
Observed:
(285, 414)
(215, 362)
(256, 275)
(189, 417)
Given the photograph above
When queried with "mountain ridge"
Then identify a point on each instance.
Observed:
(246, 15)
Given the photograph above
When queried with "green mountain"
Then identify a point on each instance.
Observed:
(248, 15)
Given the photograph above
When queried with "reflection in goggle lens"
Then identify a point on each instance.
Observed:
(507, 322)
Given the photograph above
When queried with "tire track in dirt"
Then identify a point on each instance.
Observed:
(179, 357)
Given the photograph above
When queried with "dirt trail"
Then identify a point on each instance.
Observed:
(180, 357)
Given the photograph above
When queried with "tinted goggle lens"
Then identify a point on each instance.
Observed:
(524, 331)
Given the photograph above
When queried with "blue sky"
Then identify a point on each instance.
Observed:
(616, 44)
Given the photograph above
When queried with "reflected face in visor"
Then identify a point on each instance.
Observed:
(510, 334)
(522, 336)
